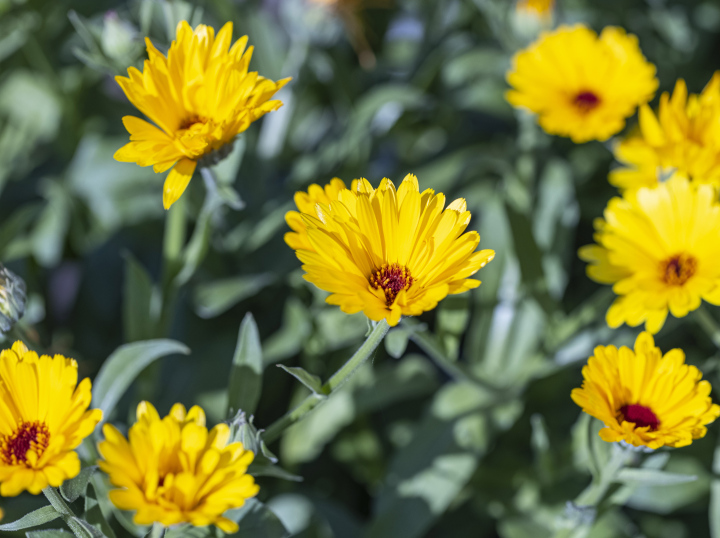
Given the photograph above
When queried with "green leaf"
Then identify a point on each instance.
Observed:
(90, 531)
(33, 519)
(290, 338)
(257, 468)
(257, 521)
(311, 381)
(396, 342)
(138, 321)
(98, 508)
(652, 477)
(72, 489)
(715, 496)
(246, 373)
(214, 298)
(52, 533)
(123, 366)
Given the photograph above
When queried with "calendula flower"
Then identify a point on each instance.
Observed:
(538, 8)
(44, 416)
(580, 85)
(172, 470)
(384, 252)
(644, 397)
(684, 136)
(658, 247)
(200, 97)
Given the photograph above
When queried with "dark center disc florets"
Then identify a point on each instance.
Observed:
(640, 415)
(677, 269)
(28, 436)
(392, 279)
(586, 101)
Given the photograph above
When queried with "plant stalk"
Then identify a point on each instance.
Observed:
(332, 385)
(59, 504)
(709, 324)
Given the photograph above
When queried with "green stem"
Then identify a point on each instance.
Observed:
(59, 504)
(158, 530)
(709, 324)
(333, 384)
(174, 239)
(595, 492)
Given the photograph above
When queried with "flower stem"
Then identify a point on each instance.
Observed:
(595, 492)
(158, 531)
(61, 507)
(709, 324)
(333, 384)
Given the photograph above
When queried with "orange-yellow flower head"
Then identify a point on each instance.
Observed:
(580, 85)
(683, 136)
(172, 470)
(384, 252)
(659, 249)
(539, 8)
(200, 97)
(646, 398)
(44, 416)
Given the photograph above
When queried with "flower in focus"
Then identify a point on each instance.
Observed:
(659, 249)
(538, 8)
(44, 416)
(173, 470)
(646, 398)
(12, 299)
(684, 136)
(384, 252)
(200, 97)
(580, 85)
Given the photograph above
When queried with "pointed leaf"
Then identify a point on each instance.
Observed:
(51, 533)
(74, 488)
(652, 477)
(311, 381)
(123, 366)
(246, 373)
(138, 321)
(33, 519)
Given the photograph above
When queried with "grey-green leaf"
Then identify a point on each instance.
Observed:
(33, 519)
(138, 321)
(257, 521)
(51, 533)
(652, 477)
(123, 366)
(311, 381)
(214, 298)
(71, 490)
(246, 373)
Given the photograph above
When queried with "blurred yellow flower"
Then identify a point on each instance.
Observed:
(539, 8)
(44, 416)
(645, 398)
(174, 471)
(659, 249)
(384, 252)
(684, 136)
(579, 85)
(200, 96)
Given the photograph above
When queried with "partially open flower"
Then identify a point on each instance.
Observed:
(382, 251)
(172, 470)
(201, 96)
(12, 299)
(44, 416)
(644, 397)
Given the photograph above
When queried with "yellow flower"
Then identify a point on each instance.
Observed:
(684, 136)
(659, 249)
(200, 96)
(645, 398)
(539, 8)
(579, 85)
(174, 471)
(43, 417)
(385, 252)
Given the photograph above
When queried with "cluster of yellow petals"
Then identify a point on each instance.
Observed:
(683, 136)
(172, 470)
(646, 398)
(580, 85)
(200, 97)
(44, 416)
(383, 251)
(658, 246)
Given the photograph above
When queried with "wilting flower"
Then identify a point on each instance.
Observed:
(644, 397)
(12, 299)
(173, 470)
(384, 252)
(44, 416)
(684, 136)
(659, 249)
(581, 85)
(200, 96)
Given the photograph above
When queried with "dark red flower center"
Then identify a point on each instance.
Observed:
(677, 269)
(640, 415)
(586, 101)
(392, 279)
(29, 435)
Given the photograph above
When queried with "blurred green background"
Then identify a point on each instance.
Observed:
(491, 446)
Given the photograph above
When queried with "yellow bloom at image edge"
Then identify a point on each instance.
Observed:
(200, 97)
(644, 397)
(44, 416)
(172, 470)
(384, 252)
(553, 79)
